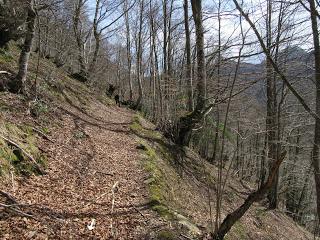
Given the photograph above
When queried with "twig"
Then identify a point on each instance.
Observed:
(8, 196)
(137, 210)
(17, 211)
(42, 134)
(182, 235)
(105, 173)
(113, 190)
(12, 180)
(5, 72)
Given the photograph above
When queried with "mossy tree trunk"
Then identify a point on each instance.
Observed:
(187, 123)
(80, 38)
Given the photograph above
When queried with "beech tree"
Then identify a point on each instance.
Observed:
(187, 123)
(139, 56)
(188, 56)
(82, 34)
(18, 84)
(315, 153)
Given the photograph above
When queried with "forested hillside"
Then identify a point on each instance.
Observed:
(149, 119)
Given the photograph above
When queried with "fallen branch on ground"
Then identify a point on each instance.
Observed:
(15, 210)
(185, 236)
(10, 198)
(105, 173)
(12, 204)
(42, 134)
(253, 197)
(113, 190)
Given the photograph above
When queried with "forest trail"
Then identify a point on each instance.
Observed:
(93, 149)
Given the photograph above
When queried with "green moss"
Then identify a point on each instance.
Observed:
(105, 100)
(13, 158)
(78, 134)
(7, 158)
(260, 212)
(164, 212)
(238, 231)
(38, 108)
(163, 179)
(5, 56)
(166, 235)
(137, 128)
(156, 183)
(45, 130)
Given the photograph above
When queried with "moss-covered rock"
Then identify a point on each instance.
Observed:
(137, 128)
(14, 159)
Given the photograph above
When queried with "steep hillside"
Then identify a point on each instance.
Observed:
(75, 166)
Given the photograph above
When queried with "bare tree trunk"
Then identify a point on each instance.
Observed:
(157, 82)
(201, 84)
(187, 123)
(18, 84)
(78, 36)
(315, 152)
(165, 57)
(97, 36)
(139, 58)
(271, 120)
(153, 72)
(188, 53)
(129, 57)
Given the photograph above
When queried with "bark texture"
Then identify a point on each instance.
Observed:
(315, 152)
(187, 123)
(18, 84)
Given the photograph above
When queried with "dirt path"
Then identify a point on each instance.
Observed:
(93, 150)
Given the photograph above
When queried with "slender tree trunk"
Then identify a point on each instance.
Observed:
(153, 72)
(188, 53)
(139, 58)
(129, 57)
(97, 36)
(297, 216)
(315, 152)
(271, 121)
(157, 83)
(18, 84)
(165, 57)
(92, 67)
